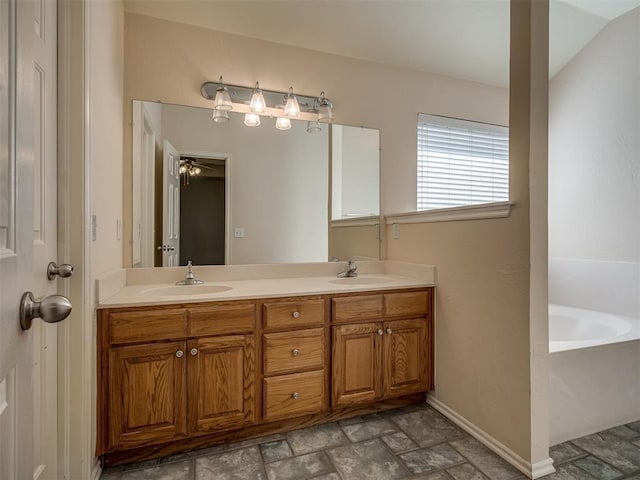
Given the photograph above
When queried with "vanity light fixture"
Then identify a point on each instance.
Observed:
(220, 116)
(283, 123)
(223, 99)
(292, 107)
(251, 119)
(255, 102)
(257, 105)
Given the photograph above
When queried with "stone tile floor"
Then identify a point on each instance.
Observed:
(415, 443)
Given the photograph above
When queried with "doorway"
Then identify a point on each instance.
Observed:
(203, 209)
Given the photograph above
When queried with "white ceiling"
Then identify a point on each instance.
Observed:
(466, 39)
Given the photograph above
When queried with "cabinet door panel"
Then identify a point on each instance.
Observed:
(221, 382)
(147, 394)
(357, 358)
(405, 361)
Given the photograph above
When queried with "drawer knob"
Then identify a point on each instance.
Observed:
(295, 395)
(380, 332)
(295, 352)
(295, 314)
(179, 353)
(194, 351)
(389, 331)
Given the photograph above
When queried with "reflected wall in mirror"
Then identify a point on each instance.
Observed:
(225, 193)
(355, 193)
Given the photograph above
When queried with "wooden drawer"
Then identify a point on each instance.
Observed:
(292, 314)
(293, 395)
(147, 325)
(406, 304)
(287, 352)
(358, 307)
(221, 319)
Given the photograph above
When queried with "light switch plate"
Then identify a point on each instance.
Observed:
(238, 232)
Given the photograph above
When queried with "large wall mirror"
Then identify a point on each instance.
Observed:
(225, 193)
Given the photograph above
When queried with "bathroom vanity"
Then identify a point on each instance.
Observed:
(196, 372)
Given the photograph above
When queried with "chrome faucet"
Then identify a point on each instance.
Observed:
(190, 279)
(350, 270)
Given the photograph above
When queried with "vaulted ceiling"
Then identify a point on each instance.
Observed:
(466, 39)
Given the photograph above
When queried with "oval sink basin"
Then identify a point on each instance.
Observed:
(187, 290)
(360, 280)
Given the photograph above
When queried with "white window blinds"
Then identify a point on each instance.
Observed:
(461, 162)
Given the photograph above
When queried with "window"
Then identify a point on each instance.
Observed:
(461, 162)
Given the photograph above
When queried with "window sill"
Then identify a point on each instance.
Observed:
(470, 212)
(370, 220)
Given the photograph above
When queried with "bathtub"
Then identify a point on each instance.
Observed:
(571, 328)
(594, 371)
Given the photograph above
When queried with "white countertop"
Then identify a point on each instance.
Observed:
(143, 287)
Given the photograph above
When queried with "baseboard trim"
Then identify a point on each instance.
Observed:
(542, 468)
(96, 470)
(534, 471)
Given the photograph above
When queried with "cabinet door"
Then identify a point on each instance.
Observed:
(406, 357)
(357, 362)
(147, 389)
(221, 373)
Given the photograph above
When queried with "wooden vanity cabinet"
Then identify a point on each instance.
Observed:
(179, 377)
(382, 359)
(162, 382)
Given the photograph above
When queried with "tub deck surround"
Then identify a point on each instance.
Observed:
(144, 286)
(572, 328)
(250, 356)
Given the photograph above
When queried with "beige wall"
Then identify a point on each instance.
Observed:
(106, 93)
(483, 337)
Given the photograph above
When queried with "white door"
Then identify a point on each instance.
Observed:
(170, 206)
(28, 230)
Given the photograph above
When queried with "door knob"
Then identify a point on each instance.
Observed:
(65, 270)
(51, 309)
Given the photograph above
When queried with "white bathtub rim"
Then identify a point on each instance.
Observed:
(631, 334)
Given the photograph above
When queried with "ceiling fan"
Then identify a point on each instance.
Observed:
(190, 167)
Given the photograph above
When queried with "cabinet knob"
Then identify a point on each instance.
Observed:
(295, 314)
(179, 353)
(389, 331)
(380, 332)
(295, 395)
(295, 352)
(194, 351)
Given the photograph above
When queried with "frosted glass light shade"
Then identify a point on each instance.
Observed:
(223, 99)
(251, 119)
(291, 108)
(283, 123)
(325, 114)
(313, 127)
(257, 105)
(220, 116)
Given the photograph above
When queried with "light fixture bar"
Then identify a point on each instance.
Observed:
(241, 99)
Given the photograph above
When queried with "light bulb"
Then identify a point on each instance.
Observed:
(251, 119)
(257, 104)
(196, 170)
(292, 108)
(283, 123)
(183, 169)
